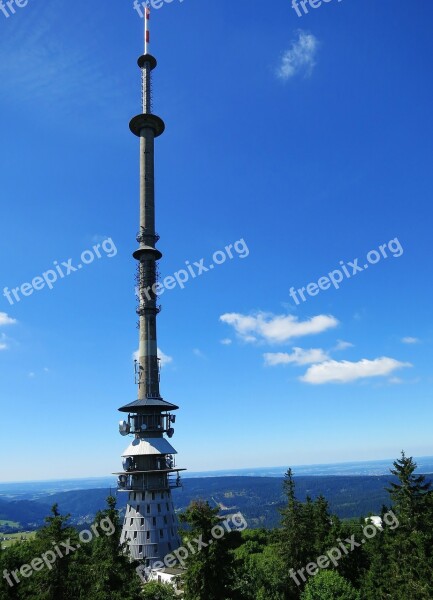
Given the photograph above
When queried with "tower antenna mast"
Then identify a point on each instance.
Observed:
(146, 30)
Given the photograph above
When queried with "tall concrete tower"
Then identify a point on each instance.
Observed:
(150, 527)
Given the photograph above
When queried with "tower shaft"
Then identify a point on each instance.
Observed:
(147, 127)
(148, 367)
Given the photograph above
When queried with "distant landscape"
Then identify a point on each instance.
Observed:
(353, 490)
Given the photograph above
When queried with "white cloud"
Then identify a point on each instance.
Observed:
(3, 344)
(226, 342)
(276, 328)
(298, 357)
(342, 345)
(5, 319)
(410, 340)
(333, 371)
(197, 352)
(164, 358)
(300, 57)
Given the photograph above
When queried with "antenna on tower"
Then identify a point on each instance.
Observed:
(146, 29)
(146, 64)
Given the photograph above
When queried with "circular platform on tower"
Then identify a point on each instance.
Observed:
(148, 403)
(146, 251)
(147, 121)
(147, 58)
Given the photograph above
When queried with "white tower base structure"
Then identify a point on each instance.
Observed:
(150, 528)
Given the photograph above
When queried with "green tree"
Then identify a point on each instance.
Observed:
(307, 531)
(409, 495)
(354, 565)
(296, 543)
(259, 571)
(401, 557)
(113, 575)
(51, 583)
(209, 570)
(324, 526)
(329, 585)
(158, 591)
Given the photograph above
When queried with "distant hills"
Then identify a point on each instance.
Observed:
(258, 498)
(32, 490)
(376, 467)
(353, 489)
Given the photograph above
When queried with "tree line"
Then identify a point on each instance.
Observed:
(312, 555)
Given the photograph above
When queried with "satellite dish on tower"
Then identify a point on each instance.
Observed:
(124, 428)
(128, 463)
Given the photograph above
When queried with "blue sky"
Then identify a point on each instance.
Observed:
(308, 138)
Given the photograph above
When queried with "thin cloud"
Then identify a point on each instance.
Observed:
(276, 328)
(164, 358)
(300, 58)
(399, 381)
(3, 344)
(5, 319)
(410, 340)
(298, 357)
(63, 71)
(345, 371)
(342, 345)
(226, 342)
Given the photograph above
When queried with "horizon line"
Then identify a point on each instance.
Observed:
(198, 473)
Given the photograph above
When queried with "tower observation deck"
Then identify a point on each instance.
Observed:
(150, 528)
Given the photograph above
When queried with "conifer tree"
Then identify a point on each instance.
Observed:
(401, 557)
(51, 583)
(409, 494)
(209, 572)
(296, 541)
(113, 576)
